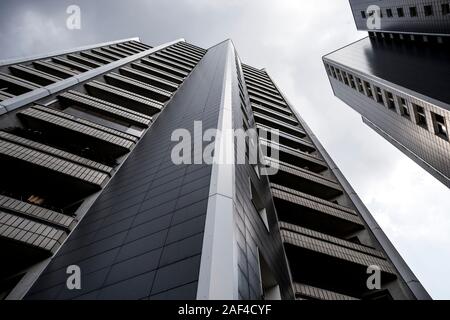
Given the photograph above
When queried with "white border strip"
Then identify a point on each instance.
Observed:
(218, 276)
(19, 101)
(7, 62)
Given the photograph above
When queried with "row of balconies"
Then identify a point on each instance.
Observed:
(20, 78)
(63, 150)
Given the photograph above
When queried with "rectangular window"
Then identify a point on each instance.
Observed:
(328, 69)
(440, 127)
(258, 203)
(339, 75)
(352, 81)
(360, 85)
(368, 89)
(379, 96)
(413, 11)
(428, 10)
(363, 14)
(421, 118)
(344, 74)
(390, 100)
(445, 9)
(270, 289)
(333, 72)
(389, 13)
(404, 109)
(400, 12)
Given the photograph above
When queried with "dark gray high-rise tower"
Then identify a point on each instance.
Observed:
(398, 77)
(90, 184)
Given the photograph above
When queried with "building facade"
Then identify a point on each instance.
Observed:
(92, 189)
(397, 78)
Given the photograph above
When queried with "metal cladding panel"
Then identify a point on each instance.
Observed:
(428, 150)
(143, 236)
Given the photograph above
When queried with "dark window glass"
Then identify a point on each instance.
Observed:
(440, 126)
(404, 110)
(445, 9)
(400, 12)
(363, 14)
(428, 10)
(421, 118)
(389, 13)
(413, 11)
(390, 100)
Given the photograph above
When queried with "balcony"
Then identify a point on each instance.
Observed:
(180, 53)
(84, 61)
(138, 87)
(177, 58)
(33, 75)
(278, 101)
(305, 292)
(322, 263)
(157, 72)
(164, 67)
(279, 125)
(304, 180)
(25, 242)
(123, 97)
(77, 99)
(71, 64)
(54, 69)
(296, 157)
(14, 86)
(170, 62)
(314, 213)
(149, 79)
(281, 116)
(79, 136)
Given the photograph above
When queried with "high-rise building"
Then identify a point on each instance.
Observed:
(397, 78)
(90, 189)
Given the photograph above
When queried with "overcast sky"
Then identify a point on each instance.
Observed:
(288, 38)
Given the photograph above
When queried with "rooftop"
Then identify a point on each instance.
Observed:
(420, 68)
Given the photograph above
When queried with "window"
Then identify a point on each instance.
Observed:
(389, 13)
(339, 75)
(428, 10)
(327, 67)
(360, 85)
(368, 89)
(345, 77)
(421, 118)
(440, 127)
(404, 110)
(445, 9)
(363, 14)
(400, 12)
(259, 204)
(379, 96)
(352, 81)
(270, 289)
(413, 11)
(390, 100)
(333, 72)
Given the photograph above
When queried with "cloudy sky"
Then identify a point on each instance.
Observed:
(288, 38)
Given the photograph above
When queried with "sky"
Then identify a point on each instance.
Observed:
(288, 38)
